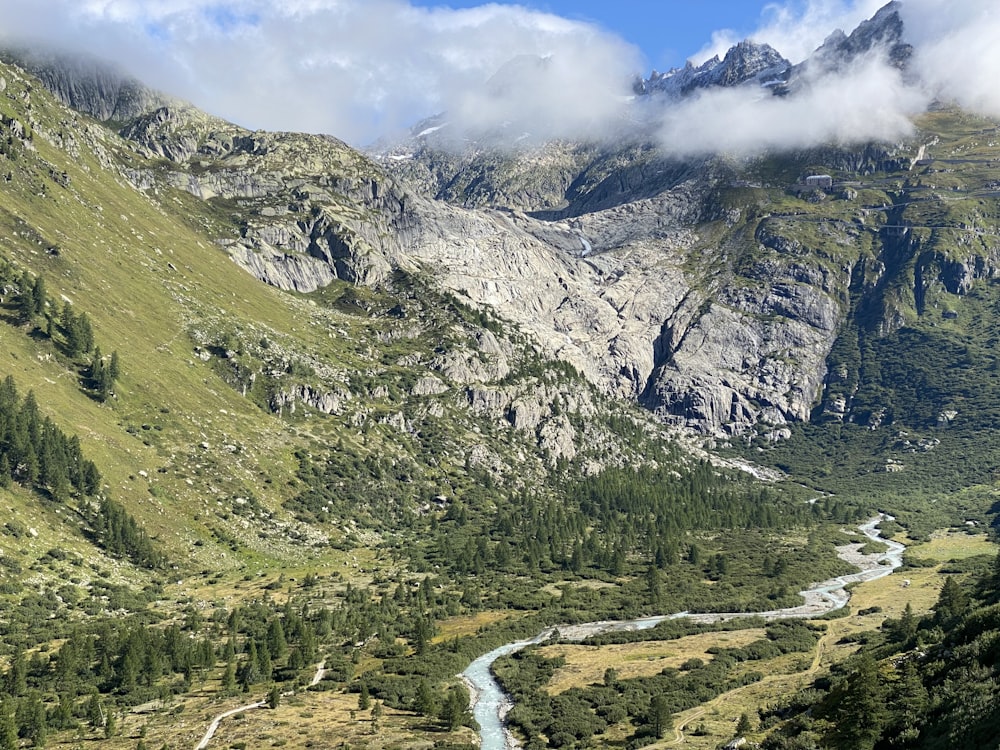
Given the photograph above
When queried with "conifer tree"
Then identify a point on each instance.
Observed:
(38, 295)
(659, 716)
(264, 665)
(862, 712)
(251, 673)
(26, 301)
(455, 708)
(16, 683)
(276, 642)
(95, 711)
(8, 729)
(909, 701)
(34, 726)
(952, 602)
(426, 701)
(110, 725)
(229, 686)
(744, 725)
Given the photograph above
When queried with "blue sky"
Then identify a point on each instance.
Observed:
(667, 31)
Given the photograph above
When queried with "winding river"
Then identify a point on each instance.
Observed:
(490, 704)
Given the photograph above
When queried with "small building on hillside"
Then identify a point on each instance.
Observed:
(819, 181)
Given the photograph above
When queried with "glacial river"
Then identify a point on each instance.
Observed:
(490, 704)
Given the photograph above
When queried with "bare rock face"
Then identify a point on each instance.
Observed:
(312, 210)
(88, 84)
(662, 280)
(759, 358)
(288, 271)
(614, 284)
(745, 63)
(583, 297)
(326, 402)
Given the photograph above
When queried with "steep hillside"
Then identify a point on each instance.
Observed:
(222, 377)
(373, 460)
(922, 682)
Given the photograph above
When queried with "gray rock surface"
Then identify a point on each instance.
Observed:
(88, 84)
(613, 286)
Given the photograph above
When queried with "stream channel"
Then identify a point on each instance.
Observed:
(490, 703)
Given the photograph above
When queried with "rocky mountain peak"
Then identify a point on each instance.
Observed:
(748, 61)
(884, 30)
(744, 63)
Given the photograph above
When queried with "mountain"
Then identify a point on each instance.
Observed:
(628, 201)
(884, 31)
(275, 403)
(747, 62)
(88, 84)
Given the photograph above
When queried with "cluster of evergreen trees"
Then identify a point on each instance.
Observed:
(110, 664)
(121, 535)
(36, 453)
(577, 717)
(103, 373)
(604, 524)
(928, 683)
(620, 522)
(69, 330)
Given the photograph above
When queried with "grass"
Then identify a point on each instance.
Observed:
(325, 720)
(467, 625)
(884, 598)
(586, 664)
(179, 444)
(945, 546)
(889, 595)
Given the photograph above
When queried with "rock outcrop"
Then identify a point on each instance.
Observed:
(746, 63)
(88, 84)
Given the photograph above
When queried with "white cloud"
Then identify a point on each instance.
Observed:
(867, 102)
(361, 68)
(794, 28)
(957, 57)
(353, 68)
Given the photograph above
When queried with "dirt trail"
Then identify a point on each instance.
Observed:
(692, 715)
(213, 727)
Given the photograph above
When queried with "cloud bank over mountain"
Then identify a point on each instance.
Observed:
(361, 68)
(796, 29)
(955, 60)
(353, 68)
(868, 101)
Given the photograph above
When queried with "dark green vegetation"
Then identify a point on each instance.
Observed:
(640, 707)
(265, 480)
(920, 682)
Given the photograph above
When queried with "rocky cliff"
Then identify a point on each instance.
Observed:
(88, 84)
(664, 290)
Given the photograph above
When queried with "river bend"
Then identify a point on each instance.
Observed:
(490, 704)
